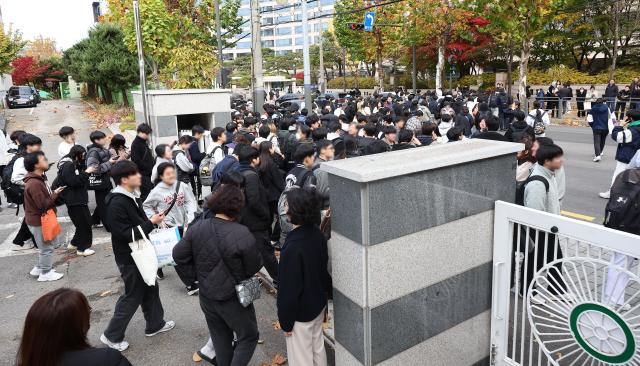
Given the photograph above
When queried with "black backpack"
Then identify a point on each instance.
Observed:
(13, 192)
(520, 187)
(58, 182)
(623, 209)
(518, 133)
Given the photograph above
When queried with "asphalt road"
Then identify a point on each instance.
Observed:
(97, 276)
(585, 179)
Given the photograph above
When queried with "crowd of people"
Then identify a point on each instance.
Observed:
(268, 194)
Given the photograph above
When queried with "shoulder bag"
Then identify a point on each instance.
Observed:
(247, 290)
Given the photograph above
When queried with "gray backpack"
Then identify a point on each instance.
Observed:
(207, 165)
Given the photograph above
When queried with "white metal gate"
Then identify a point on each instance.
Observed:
(576, 307)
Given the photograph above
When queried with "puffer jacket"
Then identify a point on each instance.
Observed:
(100, 157)
(628, 140)
(599, 117)
(204, 246)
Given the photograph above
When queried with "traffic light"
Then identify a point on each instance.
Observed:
(355, 26)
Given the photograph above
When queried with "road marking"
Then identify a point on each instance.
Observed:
(578, 216)
(31, 111)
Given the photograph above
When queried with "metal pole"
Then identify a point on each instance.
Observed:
(321, 79)
(414, 69)
(305, 58)
(256, 48)
(216, 4)
(141, 64)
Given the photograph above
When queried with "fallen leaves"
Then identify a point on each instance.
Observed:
(277, 360)
(276, 325)
(196, 357)
(106, 293)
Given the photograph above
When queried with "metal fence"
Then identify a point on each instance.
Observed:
(565, 292)
(558, 108)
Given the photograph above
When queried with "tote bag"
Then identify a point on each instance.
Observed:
(50, 225)
(163, 241)
(144, 257)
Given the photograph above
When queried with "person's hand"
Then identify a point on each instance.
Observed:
(91, 169)
(113, 160)
(157, 218)
(59, 189)
(288, 334)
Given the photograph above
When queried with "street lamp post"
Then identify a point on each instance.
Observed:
(141, 64)
(305, 57)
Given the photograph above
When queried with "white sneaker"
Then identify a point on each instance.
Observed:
(50, 276)
(35, 271)
(167, 327)
(120, 346)
(597, 158)
(71, 247)
(606, 195)
(12, 205)
(86, 252)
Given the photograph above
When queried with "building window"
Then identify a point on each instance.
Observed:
(327, 2)
(283, 31)
(267, 44)
(299, 41)
(265, 21)
(267, 32)
(283, 42)
(285, 18)
(245, 44)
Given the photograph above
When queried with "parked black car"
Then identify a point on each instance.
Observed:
(22, 96)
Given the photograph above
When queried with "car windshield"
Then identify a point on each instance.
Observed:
(22, 90)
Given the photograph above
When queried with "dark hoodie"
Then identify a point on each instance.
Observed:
(38, 198)
(517, 130)
(255, 214)
(124, 215)
(76, 181)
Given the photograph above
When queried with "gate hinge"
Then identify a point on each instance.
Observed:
(494, 353)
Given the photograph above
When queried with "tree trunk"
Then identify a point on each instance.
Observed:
(440, 64)
(125, 98)
(509, 67)
(108, 98)
(524, 64)
(616, 35)
(91, 90)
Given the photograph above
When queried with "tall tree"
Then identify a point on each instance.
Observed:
(10, 45)
(27, 70)
(42, 48)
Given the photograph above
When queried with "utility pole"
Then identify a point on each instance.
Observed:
(256, 48)
(216, 4)
(321, 80)
(305, 58)
(141, 64)
(414, 70)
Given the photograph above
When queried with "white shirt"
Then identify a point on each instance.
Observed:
(19, 172)
(218, 155)
(272, 138)
(545, 117)
(64, 148)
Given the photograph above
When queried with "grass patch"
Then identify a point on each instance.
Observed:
(127, 126)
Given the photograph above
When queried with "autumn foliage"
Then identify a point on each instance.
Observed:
(27, 70)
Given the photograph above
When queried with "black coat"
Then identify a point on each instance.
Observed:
(142, 156)
(77, 182)
(517, 130)
(94, 357)
(124, 215)
(490, 135)
(255, 214)
(205, 245)
(303, 279)
(273, 181)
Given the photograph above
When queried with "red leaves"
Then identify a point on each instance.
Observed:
(26, 69)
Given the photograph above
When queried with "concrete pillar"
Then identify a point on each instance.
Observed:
(411, 252)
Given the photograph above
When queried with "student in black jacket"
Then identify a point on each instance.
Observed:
(124, 216)
(74, 174)
(223, 253)
(519, 128)
(143, 157)
(55, 334)
(256, 215)
(273, 181)
(197, 132)
(304, 281)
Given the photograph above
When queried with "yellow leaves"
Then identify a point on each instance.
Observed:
(277, 360)
(276, 325)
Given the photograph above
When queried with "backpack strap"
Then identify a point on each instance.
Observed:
(539, 179)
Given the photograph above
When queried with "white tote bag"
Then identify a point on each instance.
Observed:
(163, 241)
(145, 258)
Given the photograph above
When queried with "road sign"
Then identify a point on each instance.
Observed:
(369, 19)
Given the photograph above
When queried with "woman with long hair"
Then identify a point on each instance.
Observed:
(74, 174)
(118, 148)
(163, 155)
(223, 253)
(55, 334)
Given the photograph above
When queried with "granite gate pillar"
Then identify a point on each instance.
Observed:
(411, 252)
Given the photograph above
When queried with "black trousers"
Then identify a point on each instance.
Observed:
(145, 187)
(23, 235)
(581, 112)
(599, 140)
(268, 253)
(546, 253)
(81, 219)
(223, 319)
(136, 294)
(620, 107)
(99, 212)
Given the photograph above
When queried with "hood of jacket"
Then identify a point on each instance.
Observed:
(31, 176)
(119, 191)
